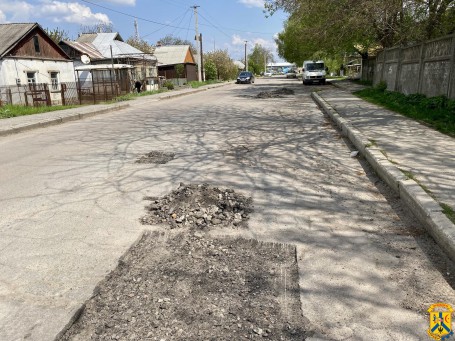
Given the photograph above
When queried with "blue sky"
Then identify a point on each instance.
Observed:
(224, 24)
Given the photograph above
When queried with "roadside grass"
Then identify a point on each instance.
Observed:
(436, 112)
(8, 111)
(448, 211)
(362, 82)
(196, 84)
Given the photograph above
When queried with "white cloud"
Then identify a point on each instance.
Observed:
(57, 11)
(123, 2)
(2, 17)
(237, 40)
(13, 11)
(71, 12)
(252, 3)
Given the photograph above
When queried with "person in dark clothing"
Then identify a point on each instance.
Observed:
(138, 86)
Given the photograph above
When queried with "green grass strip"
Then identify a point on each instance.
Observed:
(436, 112)
(8, 111)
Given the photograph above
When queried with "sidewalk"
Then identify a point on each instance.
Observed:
(416, 161)
(19, 124)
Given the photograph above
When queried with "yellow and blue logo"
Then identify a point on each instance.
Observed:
(440, 321)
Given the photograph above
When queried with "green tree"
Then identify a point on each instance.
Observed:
(140, 44)
(210, 70)
(100, 27)
(171, 40)
(258, 58)
(334, 27)
(225, 66)
(57, 35)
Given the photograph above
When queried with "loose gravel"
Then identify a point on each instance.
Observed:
(199, 207)
(187, 286)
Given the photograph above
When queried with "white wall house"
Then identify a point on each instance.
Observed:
(29, 57)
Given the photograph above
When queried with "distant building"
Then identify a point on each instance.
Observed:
(280, 67)
(107, 52)
(170, 56)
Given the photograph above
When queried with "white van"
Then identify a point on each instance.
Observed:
(313, 72)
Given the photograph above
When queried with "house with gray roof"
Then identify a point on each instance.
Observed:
(106, 55)
(29, 57)
(170, 56)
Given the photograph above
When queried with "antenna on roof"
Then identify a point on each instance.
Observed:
(85, 59)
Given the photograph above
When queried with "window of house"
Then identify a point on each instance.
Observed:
(54, 80)
(31, 77)
(36, 44)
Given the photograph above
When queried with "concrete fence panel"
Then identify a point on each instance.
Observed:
(427, 68)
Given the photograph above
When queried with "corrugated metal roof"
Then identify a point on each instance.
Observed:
(85, 48)
(10, 34)
(171, 54)
(104, 41)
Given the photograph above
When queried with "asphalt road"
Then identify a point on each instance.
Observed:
(71, 197)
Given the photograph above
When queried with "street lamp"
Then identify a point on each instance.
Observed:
(246, 60)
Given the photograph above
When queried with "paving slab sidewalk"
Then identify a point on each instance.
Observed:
(19, 124)
(415, 160)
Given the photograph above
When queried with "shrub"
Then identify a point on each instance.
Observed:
(169, 85)
(381, 86)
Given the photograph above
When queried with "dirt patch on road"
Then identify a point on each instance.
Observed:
(156, 157)
(191, 287)
(199, 207)
(275, 93)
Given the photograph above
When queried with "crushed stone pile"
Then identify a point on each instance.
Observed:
(275, 93)
(199, 206)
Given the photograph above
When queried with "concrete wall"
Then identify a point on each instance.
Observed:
(427, 68)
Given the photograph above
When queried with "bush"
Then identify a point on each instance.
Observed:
(169, 85)
(381, 86)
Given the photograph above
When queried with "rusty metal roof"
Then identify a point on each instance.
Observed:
(85, 48)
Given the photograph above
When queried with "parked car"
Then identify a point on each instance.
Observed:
(291, 74)
(245, 77)
(268, 74)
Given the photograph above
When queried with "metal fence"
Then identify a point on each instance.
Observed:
(71, 93)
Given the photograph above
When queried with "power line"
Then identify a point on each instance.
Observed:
(132, 16)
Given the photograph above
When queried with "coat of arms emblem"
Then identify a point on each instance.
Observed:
(440, 321)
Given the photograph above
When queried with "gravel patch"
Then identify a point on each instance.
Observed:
(156, 157)
(188, 286)
(275, 93)
(199, 207)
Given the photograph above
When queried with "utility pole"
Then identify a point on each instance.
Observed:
(136, 31)
(246, 60)
(197, 38)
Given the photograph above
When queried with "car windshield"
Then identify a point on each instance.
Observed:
(245, 74)
(315, 66)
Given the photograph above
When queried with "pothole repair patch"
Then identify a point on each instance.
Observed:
(199, 206)
(275, 93)
(157, 157)
(192, 287)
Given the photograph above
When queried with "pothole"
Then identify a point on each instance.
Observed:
(199, 207)
(239, 151)
(157, 157)
(275, 93)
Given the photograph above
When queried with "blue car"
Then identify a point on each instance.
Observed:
(245, 77)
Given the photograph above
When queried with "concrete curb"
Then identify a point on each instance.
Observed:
(201, 89)
(426, 209)
(41, 122)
